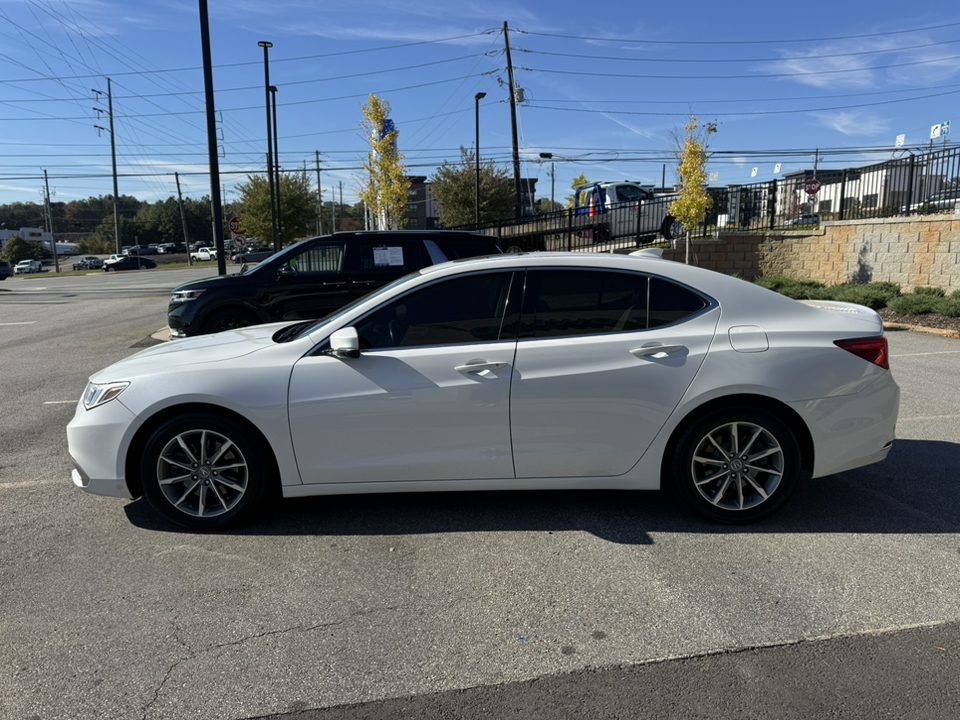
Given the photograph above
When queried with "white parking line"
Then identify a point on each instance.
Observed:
(60, 402)
(28, 322)
(30, 483)
(942, 352)
(901, 419)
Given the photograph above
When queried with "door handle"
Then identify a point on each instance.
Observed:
(478, 366)
(655, 349)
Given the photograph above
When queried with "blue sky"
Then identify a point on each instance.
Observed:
(603, 91)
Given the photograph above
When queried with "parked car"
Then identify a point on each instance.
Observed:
(521, 371)
(313, 278)
(808, 219)
(946, 200)
(90, 262)
(6, 270)
(132, 262)
(139, 250)
(171, 248)
(254, 254)
(28, 266)
(204, 254)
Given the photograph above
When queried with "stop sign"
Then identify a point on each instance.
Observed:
(812, 187)
(236, 226)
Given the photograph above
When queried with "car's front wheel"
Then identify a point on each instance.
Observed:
(737, 465)
(205, 472)
(229, 319)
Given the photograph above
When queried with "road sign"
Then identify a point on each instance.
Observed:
(811, 199)
(239, 241)
(776, 169)
(935, 131)
(753, 173)
(236, 226)
(945, 128)
(901, 139)
(812, 187)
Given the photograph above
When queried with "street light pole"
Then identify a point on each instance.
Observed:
(477, 98)
(266, 79)
(276, 164)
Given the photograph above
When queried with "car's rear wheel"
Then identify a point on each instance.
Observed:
(671, 228)
(737, 465)
(205, 472)
(229, 319)
(111, 269)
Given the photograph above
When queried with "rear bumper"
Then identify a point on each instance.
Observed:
(850, 431)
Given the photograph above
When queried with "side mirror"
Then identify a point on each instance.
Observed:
(345, 343)
(285, 271)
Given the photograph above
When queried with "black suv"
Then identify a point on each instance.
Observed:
(314, 277)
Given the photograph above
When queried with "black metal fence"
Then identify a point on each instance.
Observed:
(909, 185)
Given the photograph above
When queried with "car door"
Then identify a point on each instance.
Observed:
(372, 263)
(310, 284)
(602, 360)
(428, 397)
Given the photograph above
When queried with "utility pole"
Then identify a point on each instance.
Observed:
(319, 199)
(513, 124)
(49, 217)
(212, 150)
(183, 220)
(113, 152)
(341, 204)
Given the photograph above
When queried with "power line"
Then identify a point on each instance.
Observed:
(779, 41)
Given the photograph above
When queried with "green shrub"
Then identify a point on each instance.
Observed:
(932, 291)
(914, 304)
(950, 306)
(874, 295)
(792, 288)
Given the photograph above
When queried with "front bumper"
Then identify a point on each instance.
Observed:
(98, 440)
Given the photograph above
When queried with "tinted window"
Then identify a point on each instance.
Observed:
(388, 258)
(467, 309)
(629, 193)
(585, 302)
(457, 249)
(327, 258)
(670, 302)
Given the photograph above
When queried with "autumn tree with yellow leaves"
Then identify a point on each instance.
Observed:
(690, 207)
(387, 190)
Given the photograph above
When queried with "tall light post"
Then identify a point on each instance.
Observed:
(266, 79)
(276, 163)
(477, 98)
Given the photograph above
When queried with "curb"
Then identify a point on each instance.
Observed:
(942, 332)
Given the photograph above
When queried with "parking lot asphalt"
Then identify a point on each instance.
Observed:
(567, 605)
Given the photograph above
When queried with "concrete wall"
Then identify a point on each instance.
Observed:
(914, 251)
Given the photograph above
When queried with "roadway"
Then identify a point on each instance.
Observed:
(560, 605)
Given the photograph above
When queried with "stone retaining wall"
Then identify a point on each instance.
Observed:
(914, 251)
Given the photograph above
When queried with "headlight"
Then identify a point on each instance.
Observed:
(99, 394)
(179, 296)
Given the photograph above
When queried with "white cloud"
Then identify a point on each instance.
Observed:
(854, 123)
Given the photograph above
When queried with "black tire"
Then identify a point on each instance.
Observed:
(708, 475)
(111, 269)
(671, 228)
(229, 318)
(205, 472)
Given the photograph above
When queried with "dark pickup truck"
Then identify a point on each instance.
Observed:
(314, 277)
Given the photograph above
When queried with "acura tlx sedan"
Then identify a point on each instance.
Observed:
(521, 371)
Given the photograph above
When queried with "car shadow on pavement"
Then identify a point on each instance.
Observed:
(915, 491)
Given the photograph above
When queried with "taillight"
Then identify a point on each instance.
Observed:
(870, 349)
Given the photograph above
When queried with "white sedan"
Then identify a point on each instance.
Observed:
(522, 371)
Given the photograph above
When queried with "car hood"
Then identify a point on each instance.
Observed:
(219, 347)
(214, 282)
